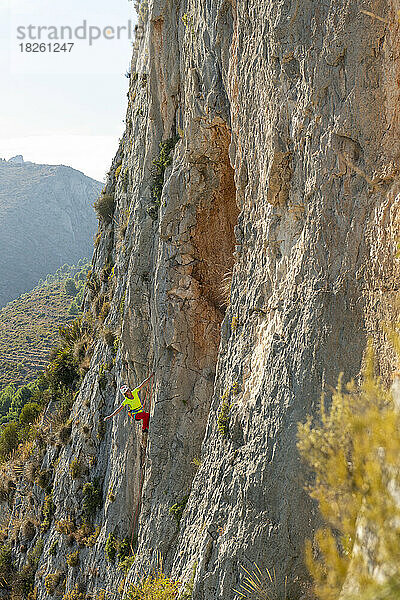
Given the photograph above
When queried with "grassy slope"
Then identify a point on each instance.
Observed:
(29, 329)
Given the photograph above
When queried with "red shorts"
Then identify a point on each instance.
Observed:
(141, 416)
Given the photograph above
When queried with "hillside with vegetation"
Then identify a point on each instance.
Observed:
(29, 325)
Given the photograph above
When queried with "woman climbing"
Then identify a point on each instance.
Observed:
(135, 408)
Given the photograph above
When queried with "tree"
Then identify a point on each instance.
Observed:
(9, 439)
(29, 413)
(70, 287)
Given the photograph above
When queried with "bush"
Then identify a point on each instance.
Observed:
(156, 586)
(29, 413)
(63, 369)
(28, 530)
(110, 548)
(65, 526)
(104, 207)
(160, 164)
(125, 564)
(177, 509)
(354, 451)
(70, 287)
(73, 559)
(115, 548)
(76, 468)
(53, 581)
(226, 288)
(44, 479)
(47, 512)
(86, 535)
(105, 309)
(91, 498)
(223, 418)
(65, 433)
(109, 337)
(9, 440)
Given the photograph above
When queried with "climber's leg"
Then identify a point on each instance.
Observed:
(145, 417)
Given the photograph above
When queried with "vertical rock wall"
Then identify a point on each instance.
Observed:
(285, 174)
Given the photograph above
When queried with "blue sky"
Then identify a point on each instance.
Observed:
(67, 107)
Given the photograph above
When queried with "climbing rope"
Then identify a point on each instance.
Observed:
(136, 513)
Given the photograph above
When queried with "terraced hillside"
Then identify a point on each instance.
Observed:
(29, 325)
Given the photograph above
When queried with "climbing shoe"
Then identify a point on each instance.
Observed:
(145, 431)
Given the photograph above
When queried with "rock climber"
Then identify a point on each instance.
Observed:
(135, 408)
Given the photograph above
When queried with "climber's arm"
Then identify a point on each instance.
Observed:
(139, 387)
(116, 411)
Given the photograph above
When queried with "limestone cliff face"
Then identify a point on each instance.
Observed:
(285, 174)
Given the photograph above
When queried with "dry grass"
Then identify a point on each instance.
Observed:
(225, 288)
(259, 585)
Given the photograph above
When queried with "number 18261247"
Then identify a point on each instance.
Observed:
(43, 47)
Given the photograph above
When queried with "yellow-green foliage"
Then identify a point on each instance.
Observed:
(234, 323)
(156, 586)
(223, 418)
(73, 559)
(47, 512)
(354, 451)
(87, 535)
(65, 526)
(177, 509)
(74, 594)
(76, 468)
(52, 581)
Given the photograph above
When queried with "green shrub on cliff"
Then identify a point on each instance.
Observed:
(54, 582)
(117, 549)
(223, 417)
(47, 513)
(73, 559)
(177, 509)
(9, 440)
(76, 468)
(105, 206)
(92, 498)
(160, 165)
(354, 452)
(156, 586)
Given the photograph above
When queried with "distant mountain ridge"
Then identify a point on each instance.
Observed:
(46, 220)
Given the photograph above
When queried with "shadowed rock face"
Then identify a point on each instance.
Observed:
(286, 174)
(46, 220)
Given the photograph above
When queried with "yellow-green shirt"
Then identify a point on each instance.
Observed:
(133, 403)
